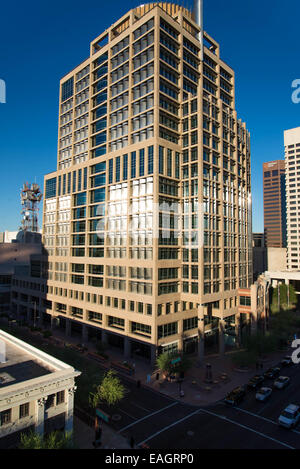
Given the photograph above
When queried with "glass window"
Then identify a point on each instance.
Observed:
(118, 164)
(67, 89)
(133, 164)
(161, 160)
(125, 167)
(80, 199)
(150, 160)
(98, 195)
(142, 162)
(50, 188)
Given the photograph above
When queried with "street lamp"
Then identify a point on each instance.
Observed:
(180, 380)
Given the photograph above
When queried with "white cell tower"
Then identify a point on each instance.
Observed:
(30, 198)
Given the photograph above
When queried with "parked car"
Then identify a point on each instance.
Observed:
(281, 382)
(235, 396)
(263, 394)
(290, 416)
(272, 372)
(255, 381)
(286, 361)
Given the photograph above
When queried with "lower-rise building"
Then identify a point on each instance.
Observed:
(36, 391)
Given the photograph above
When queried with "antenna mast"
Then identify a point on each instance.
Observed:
(198, 12)
(30, 198)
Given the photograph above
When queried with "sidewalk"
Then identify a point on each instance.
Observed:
(225, 375)
(85, 435)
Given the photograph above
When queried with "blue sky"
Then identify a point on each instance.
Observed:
(40, 41)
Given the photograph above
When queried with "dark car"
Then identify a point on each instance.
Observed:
(235, 396)
(286, 361)
(272, 372)
(255, 381)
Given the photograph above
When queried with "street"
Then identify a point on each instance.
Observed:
(163, 423)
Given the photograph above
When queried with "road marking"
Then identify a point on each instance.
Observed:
(147, 416)
(140, 407)
(247, 428)
(128, 415)
(169, 426)
(260, 417)
(255, 415)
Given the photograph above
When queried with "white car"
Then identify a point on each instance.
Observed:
(263, 394)
(281, 382)
(290, 416)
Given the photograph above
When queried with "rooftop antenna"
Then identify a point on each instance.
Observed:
(30, 198)
(198, 12)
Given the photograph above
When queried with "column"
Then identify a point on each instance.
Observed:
(153, 349)
(253, 319)
(221, 337)
(180, 335)
(287, 282)
(18, 314)
(29, 314)
(85, 337)
(238, 330)
(40, 415)
(68, 327)
(40, 317)
(200, 334)
(127, 347)
(53, 322)
(104, 338)
(70, 409)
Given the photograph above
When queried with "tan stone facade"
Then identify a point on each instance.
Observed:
(144, 124)
(292, 168)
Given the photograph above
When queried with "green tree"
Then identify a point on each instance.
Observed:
(261, 343)
(286, 297)
(164, 362)
(55, 440)
(110, 391)
(244, 358)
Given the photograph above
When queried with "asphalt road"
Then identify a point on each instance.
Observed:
(163, 423)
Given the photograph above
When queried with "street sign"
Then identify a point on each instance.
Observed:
(102, 415)
(175, 360)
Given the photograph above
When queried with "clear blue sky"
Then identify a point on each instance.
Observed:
(40, 41)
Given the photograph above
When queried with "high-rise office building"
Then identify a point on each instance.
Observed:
(274, 204)
(292, 168)
(147, 219)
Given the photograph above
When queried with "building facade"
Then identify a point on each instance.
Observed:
(274, 203)
(8, 236)
(292, 168)
(17, 258)
(147, 218)
(36, 391)
(259, 254)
